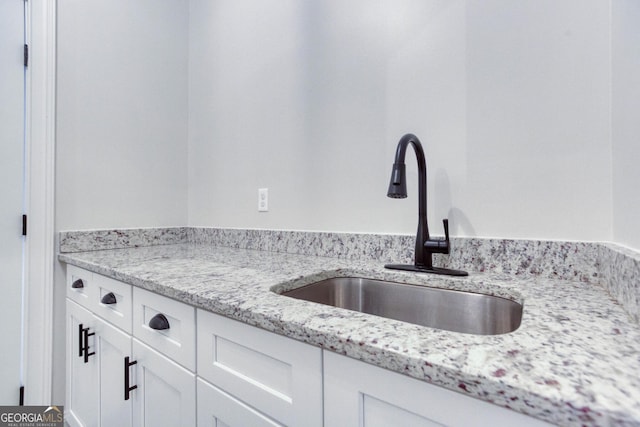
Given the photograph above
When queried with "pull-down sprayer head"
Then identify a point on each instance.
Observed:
(398, 183)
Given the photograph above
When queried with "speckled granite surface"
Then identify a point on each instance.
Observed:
(620, 273)
(94, 240)
(565, 260)
(615, 267)
(574, 360)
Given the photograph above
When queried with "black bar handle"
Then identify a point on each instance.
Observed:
(86, 344)
(159, 322)
(445, 223)
(80, 341)
(77, 284)
(109, 298)
(127, 388)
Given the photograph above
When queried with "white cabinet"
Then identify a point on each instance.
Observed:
(174, 335)
(263, 378)
(359, 394)
(95, 350)
(111, 347)
(111, 301)
(80, 286)
(83, 396)
(217, 408)
(113, 379)
(165, 393)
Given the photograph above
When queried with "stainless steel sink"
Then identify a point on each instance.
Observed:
(455, 311)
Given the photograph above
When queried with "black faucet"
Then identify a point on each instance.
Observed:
(425, 246)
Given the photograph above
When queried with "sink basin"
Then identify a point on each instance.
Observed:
(450, 310)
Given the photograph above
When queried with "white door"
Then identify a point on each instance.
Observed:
(11, 196)
(113, 347)
(166, 392)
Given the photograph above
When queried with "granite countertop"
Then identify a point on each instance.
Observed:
(575, 360)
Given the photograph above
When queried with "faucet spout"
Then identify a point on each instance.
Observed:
(425, 246)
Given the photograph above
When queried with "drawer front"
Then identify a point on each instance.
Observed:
(217, 408)
(166, 325)
(80, 286)
(278, 376)
(112, 301)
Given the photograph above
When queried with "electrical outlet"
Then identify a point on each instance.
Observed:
(263, 199)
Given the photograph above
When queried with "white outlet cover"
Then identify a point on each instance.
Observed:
(263, 199)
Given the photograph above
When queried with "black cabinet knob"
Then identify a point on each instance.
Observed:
(77, 284)
(159, 322)
(109, 298)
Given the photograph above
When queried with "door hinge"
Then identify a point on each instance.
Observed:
(26, 55)
(22, 396)
(24, 225)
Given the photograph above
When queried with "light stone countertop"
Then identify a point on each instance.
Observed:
(575, 360)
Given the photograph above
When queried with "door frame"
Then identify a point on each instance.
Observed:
(40, 101)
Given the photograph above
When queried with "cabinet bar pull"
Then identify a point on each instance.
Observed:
(127, 387)
(159, 322)
(85, 347)
(80, 342)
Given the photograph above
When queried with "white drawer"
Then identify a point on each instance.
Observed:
(215, 407)
(278, 376)
(112, 301)
(80, 286)
(177, 339)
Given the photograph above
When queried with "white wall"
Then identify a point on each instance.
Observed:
(626, 122)
(121, 113)
(510, 99)
(246, 112)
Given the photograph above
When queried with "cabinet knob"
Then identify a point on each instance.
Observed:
(77, 284)
(109, 298)
(159, 322)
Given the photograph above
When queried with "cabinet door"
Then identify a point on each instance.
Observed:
(83, 377)
(359, 394)
(165, 393)
(219, 409)
(113, 346)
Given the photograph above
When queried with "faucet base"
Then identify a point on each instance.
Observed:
(432, 270)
